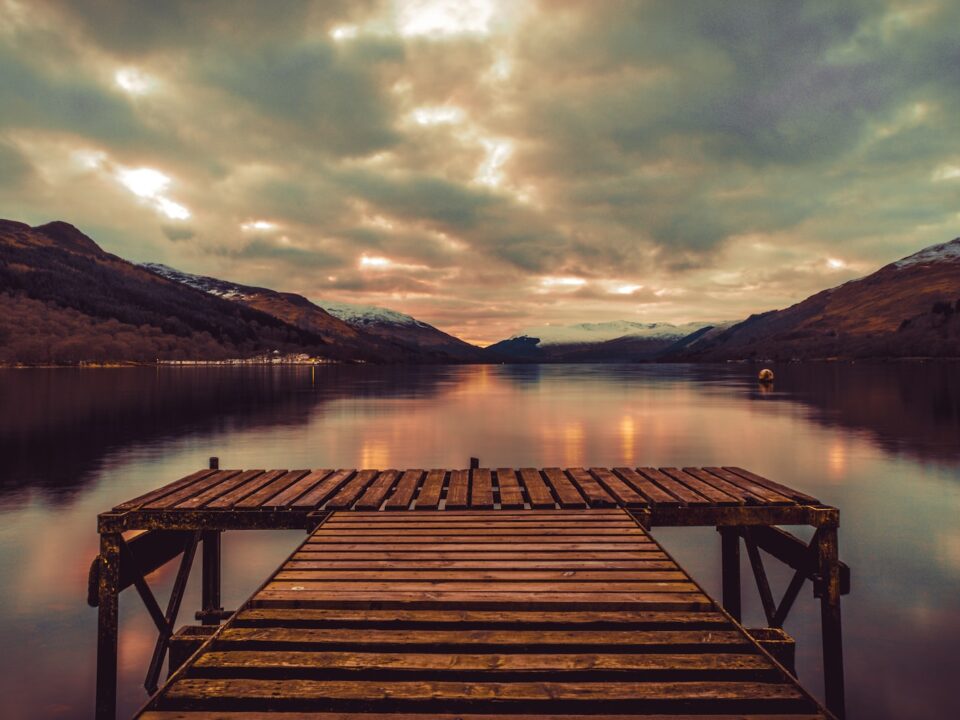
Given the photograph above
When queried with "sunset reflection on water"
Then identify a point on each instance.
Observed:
(878, 442)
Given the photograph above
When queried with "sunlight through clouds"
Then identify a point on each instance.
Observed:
(150, 185)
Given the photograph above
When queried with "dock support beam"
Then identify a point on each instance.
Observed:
(730, 570)
(829, 591)
(107, 623)
(211, 610)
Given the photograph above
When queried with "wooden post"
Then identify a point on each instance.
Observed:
(474, 463)
(829, 572)
(107, 622)
(214, 463)
(730, 569)
(210, 608)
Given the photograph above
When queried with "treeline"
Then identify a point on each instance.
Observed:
(34, 332)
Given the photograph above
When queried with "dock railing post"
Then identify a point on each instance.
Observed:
(210, 608)
(107, 625)
(829, 572)
(730, 570)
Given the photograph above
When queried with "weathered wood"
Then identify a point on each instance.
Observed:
(234, 495)
(158, 493)
(323, 490)
(675, 488)
(537, 490)
(717, 497)
(304, 485)
(264, 495)
(402, 495)
(653, 493)
(625, 495)
(177, 496)
(565, 491)
(492, 612)
(589, 487)
(348, 494)
(107, 623)
(373, 496)
(431, 490)
(511, 496)
(481, 489)
(458, 491)
(304, 664)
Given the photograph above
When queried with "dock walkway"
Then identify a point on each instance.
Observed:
(473, 593)
(478, 613)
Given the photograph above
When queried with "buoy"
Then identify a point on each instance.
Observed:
(766, 376)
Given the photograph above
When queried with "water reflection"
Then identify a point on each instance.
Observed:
(879, 441)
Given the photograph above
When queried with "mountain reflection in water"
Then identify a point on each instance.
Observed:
(881, 442)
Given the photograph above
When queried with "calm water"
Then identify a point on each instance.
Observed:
(880, 442)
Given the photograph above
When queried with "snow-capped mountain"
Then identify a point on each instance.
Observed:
(909, 308)
(948, 252)
(379, 332)
(397, 327)
(604, 331)
(612, 341)
(364, 315)
(220, 288)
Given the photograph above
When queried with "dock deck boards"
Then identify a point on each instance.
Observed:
(234, 499)
(479, 614)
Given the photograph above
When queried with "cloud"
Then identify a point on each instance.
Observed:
(713, 155)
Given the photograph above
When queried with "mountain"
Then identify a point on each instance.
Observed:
(909, 308)
(290, 308)
(614, 341)
(406, 330)
(366, 330)
(63, 299)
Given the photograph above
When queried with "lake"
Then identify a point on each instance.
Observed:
(881, 442)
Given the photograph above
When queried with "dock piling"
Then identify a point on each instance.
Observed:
(730, 570)
(107, 625)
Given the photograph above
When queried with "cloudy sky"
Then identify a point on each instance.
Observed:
(488, 165)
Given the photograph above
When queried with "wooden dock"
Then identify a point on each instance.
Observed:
(495, 593)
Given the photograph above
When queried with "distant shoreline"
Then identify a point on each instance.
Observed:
(266, 362)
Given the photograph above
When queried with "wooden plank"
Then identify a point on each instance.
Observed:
(530, 619)
(511, 496)
(481, 489)
(468, 586)
(458, 491)
(430, 491)
(722, 485)
(304, 485)
(628, 533)
(765, 494)
(500, 715)
(800, 497)
(487, 546)
(301, 664)
(647, 488)
(211, 493)
(348, 494)
(395, 564)
(564, 640)
(625, 495)
(566, 493)
(537, 490)
(403, 494)
(323, 490)
(502, 557)
(291, 572)
(596, 496)
(677, 489)
(231, 498)
(373, 496)
(491, 526)
(188, 491)
(504, 600)
(258, 715)
(262, 497)
(466, 515)
(716, 497)
(160, 492)
(679, 694)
